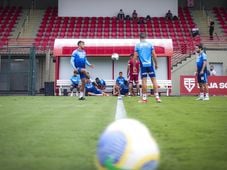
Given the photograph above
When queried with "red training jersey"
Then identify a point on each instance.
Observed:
(133, 66)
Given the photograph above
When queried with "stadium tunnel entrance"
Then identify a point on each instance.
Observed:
(99, 53)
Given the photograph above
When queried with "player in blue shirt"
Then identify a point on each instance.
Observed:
(121, 86)
(147, 56)
(92, 90)
(75, 79)
(101, 84)
(78, 62)
(201, 72)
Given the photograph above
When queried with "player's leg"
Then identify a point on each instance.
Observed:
(71, 89)
(205, 87)
(155, 86)
(201, 94)
(200, 79)
(84, 71)
(105, 94)
(116, 90)
(206, 91)
(144, 85)
(144, 89)
(124, 91)
(133, 82)
(137, 89)
(130, 88)
(136, 80)
(83, 81)
(78, 90)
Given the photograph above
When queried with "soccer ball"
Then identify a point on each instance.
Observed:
(115, 56)
(126, 144)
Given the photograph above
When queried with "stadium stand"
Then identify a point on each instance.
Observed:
(8, 20)
(179, 30)
(221, 15)
(38, 26)
(52, 27)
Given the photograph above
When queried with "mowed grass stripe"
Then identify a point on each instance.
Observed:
(191, 134)
(62, 132)
(51, 132)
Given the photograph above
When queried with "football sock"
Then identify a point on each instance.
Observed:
(81, 94)
(201, 95)
(156, 95)
(144, 97)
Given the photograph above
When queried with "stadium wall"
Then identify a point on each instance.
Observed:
(43, 4)
(103, 68)
(111, 8)
(27, 4)
(188, 67)
(208, 4)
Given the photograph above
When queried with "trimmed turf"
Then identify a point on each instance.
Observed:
(51, 133)
(57, 133)
(192, 135)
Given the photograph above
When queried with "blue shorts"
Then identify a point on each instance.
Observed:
(82, 75)
(147, 71)
(74, 85)
(202, 78)
(94, 90)
(124, 91)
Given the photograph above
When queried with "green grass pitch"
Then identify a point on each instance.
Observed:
(61, 133)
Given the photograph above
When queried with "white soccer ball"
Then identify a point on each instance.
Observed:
(126, 144)
(115, 56)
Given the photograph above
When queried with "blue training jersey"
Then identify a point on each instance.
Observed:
(102, 82)
(144, 50)
(75, 79)
(199, 61)
(79, 59)
(120, 80)
(89, 86)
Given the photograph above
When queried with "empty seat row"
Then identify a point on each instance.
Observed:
(53, 27)
(221, 15)
(8, 19)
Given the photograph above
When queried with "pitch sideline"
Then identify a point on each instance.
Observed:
(120, 109)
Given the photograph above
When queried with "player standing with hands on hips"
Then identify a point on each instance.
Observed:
(201, 72)
(147, 57)
(78, 62)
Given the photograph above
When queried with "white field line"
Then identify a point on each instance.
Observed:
(120, 109)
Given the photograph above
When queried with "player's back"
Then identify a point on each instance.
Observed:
(144, 50)
(75, 79)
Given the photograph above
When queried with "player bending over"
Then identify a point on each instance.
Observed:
(92, 90)
(75, 79)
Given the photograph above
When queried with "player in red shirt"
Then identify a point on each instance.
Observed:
(133, 74)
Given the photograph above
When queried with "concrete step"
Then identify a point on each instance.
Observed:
(218, 42)
(217, 28)
(201, 21)
(32, 25)
(19, 25)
